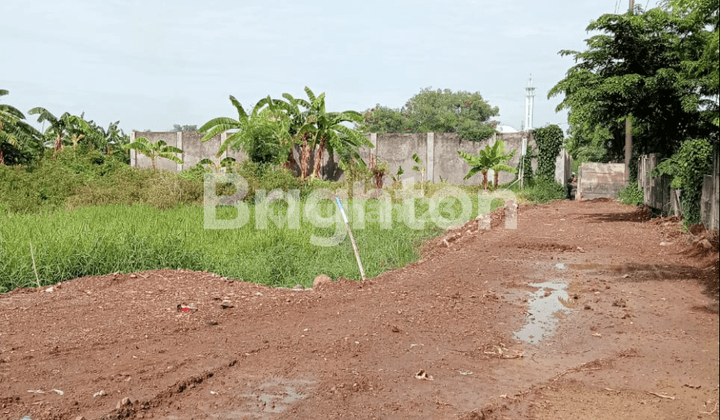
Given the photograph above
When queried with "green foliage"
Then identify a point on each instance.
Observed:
(75, 178)
(396, 179)
(632, 194)
(274, 126)
(184, 128)
(19, 142)
(542, 191)
(436, 111)
(530, 154)
(653, 67)
(155, 151)
(490, 158)
(549, 140)
(687, 168)
(418, 167)
(700, 26)
(262, 134)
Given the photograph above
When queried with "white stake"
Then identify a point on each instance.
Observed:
(32, 255)
(352, 239)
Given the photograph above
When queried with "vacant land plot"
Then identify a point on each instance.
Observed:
(586, 311)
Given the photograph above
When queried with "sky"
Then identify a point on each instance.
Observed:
(151, 64)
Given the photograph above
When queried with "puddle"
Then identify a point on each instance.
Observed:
(265, 400)
(544, 303)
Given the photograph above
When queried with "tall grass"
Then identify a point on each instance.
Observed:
(105, 239)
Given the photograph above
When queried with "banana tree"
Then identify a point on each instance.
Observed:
(66, 126)
(226, 163)
(13, 130)
(300, 128)
(263, 133)
(321, 131)
(159, 149)
(490, 158)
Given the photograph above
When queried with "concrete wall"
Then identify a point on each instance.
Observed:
(709, 206)
(598, 180)
(563, 168)
(193, 149)
(438, 152)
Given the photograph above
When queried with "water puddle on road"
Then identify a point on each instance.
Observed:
(544, 304)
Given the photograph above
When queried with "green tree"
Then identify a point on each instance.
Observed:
(699, 27)
(436, 111)
(178, 127)
(636, 68)
(490, 158)
(154, 151)
(15, 134)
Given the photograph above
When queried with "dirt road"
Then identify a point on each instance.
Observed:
(580, 313)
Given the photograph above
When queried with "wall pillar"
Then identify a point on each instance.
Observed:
(179, 145)
(430, 158)
(223, 137)
(133, 152)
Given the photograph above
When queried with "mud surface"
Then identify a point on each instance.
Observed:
(629, 331)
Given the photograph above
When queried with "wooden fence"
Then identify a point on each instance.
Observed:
(709, 201)
(656, 191)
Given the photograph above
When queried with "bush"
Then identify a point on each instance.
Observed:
(688, 168)
(632, 194)
(72, 178)
(543, 191)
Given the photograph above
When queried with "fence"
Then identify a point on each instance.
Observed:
(438, 152)
(656, 191)
(709, 201)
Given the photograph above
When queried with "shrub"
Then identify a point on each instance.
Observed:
(687, 168)
(632, 194)
(543, 191)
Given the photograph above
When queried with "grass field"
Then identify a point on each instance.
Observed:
(105, 239)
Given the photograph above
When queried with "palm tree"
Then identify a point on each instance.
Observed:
(490, 158)
(160, 149)
(13, 130)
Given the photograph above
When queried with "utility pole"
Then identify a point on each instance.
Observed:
(628, 130)
(529, 103)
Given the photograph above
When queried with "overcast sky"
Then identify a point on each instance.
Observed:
(152, 64)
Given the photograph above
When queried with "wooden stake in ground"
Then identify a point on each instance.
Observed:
(32, 255)
(352, 239)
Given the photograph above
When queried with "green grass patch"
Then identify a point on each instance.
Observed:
(105, 239)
